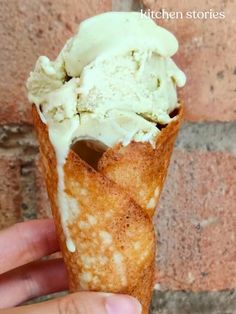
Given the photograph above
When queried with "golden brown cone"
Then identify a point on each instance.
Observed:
(112, 230)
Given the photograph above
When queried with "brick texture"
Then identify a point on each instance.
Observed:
(207, 55)
(182, 302)
(126, 5)
(10, 193)
(30, 28)
(196, 223)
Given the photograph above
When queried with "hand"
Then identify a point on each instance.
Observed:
(23, 276)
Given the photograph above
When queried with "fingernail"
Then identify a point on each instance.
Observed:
(120, 304)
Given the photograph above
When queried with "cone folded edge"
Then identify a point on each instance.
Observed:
(141, 169)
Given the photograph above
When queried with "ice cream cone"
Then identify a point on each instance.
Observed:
(110, 203)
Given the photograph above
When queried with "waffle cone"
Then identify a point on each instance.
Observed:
(112, 228)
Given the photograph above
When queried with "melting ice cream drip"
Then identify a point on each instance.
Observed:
(64, 208)
(61, 139)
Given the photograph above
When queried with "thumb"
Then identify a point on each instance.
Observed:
(83, 303)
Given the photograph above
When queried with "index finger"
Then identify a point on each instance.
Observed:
(26, 242)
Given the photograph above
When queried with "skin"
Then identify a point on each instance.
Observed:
(25, 275)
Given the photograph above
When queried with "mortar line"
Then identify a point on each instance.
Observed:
(206, 136)
(127, 5)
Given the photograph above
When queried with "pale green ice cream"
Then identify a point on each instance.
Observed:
(116, 71)
(111, 83)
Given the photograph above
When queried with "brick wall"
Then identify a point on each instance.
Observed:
(196, 219)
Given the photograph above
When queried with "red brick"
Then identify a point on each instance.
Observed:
(30, 28)
(207, 55)
(196, 223)
(42, 201)
(10, 194)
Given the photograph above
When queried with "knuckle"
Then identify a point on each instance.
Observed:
(30, 286)
(69, 305)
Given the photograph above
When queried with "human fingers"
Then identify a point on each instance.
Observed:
(32, 280)
(26, 242)
(83, 303)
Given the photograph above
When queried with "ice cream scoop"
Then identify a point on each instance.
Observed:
(117, 72)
